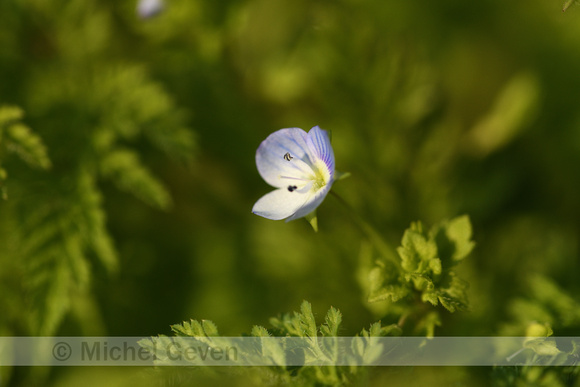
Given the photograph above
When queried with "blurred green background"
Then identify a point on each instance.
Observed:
(143, 218)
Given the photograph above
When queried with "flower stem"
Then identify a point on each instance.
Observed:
(374, 237)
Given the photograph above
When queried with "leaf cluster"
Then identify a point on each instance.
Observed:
(57, 218)
(544, 359)
(319, 344)
(425, 272)
(17, 138)
(545, 307)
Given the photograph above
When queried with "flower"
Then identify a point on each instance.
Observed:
(301, 166)
(149, 8)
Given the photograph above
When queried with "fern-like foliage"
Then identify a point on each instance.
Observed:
(57, 220)
(306, 343)
(17, 138)
(99, 113)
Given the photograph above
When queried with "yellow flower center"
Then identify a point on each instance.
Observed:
(321, 175)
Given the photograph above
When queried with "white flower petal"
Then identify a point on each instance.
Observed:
(313, 201)
(149, 8)
(319, 144)
(279, 204)
(284, 154)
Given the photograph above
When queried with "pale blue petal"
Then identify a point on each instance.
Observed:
(274, 167)
(319, 144)
(279, 204)
(313, 201)
(149, 8)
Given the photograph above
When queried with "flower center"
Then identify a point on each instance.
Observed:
(321, 175)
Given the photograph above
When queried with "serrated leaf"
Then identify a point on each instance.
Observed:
(191, 328)
(332, 323)
(375, 329)
(209, 328)
(287, 325)
(307, 321)
(454, 297)
(430, 297)
(452, 304)
(259, 331)
(382, 286)
(421, 282)
(416, 251)
(273, 349)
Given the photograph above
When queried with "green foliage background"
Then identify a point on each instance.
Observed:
(127, 163)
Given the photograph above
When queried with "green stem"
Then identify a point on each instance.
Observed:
(374, 237)
(567, 5)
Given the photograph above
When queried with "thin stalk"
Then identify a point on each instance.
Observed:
(374, 237)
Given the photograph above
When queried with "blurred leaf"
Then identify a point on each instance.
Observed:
(513, 111)
(18, 138)
(545, 305)
(428, 323)
(124, 168)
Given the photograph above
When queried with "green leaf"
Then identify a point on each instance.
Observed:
(269, 348)
(191, 328)
(307, 321)
(384, 283)
(93, 227)
(259, 331)
(27, 145)
(209, 328)
(454, 296)
(459, 232)
(10, 114)
(123, 167)
(331, 323)
(430, 297)
(416, 251)
(19, 139)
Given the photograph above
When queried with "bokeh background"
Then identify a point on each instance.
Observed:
(142, 217)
